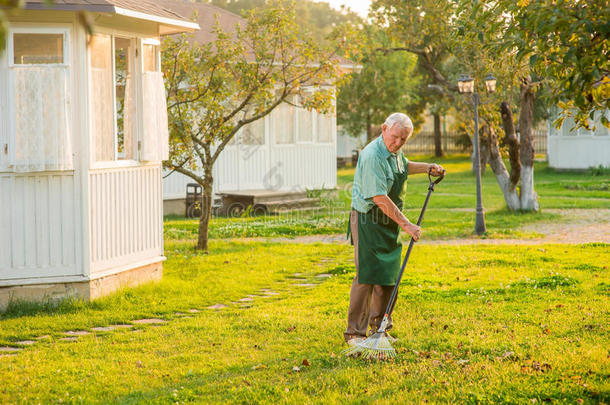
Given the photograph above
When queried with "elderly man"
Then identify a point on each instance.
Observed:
(375, 221)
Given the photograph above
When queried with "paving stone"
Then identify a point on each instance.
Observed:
(8, 355)
(149, 321)
(246, 299)
(270, 293)
(252, 296)
(103, 328)
(69, 339)
(6, 349)
(26, 342)
(122, 326)
(324, 275)
(305, 285)
(43, 337)
(77, 333)
(217, 306)
(194, 311)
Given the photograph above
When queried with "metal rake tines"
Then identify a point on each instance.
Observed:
(376, 346)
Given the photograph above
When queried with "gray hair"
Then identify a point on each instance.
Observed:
(400, 119)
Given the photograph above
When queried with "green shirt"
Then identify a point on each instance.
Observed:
(375, 174)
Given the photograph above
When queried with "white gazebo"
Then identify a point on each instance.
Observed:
(83, 131)
(288, 152)
(571, 148)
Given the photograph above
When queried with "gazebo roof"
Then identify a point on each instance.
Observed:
(149, 10)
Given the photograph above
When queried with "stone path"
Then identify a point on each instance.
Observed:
(296, 280)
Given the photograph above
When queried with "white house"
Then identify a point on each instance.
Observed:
(83, 131)
(290, 150)
(570, 148)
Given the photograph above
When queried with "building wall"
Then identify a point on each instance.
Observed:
(126, 217)
(268, 166)
(39, 227)
(570, 148)
(346, 143)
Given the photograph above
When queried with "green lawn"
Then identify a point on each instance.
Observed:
(475, 324)
(450, 213)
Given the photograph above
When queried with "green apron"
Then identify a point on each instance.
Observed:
(379, 250)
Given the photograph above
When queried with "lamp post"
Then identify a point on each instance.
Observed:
(466, 85)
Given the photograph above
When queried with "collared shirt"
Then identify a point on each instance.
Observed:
(375, 174)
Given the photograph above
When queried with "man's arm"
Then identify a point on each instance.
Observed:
(391, 210)
(420, 167)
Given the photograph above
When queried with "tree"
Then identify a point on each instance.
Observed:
(7, 5)
(565, 42)
(385, 84)
(319, 18)
(216, 89)
(448, 37)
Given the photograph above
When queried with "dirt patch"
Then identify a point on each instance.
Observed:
(575, 226)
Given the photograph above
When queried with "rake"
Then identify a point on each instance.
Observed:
(378, 346)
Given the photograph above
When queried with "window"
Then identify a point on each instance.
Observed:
(113, 97)
(254, 133)
(39, 91)
(102, 112)
(305, 125)
(284, 124)
(150, 57)
(29, 48)
(325, 128)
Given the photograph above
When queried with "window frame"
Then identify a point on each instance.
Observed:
(4, 111)
(50, 29)
(7, 127)
(140, 41)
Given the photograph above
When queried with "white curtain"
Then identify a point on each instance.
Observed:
(102, 114)
(42, 125)
(155, 140)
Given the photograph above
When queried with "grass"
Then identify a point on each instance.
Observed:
(450, 213)
(476, 324)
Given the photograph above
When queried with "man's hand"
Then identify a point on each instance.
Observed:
(435, 170)
(413, 230)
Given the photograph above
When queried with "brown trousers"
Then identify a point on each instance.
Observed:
(367, 302)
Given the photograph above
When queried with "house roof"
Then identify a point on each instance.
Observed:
(149, 10)
(207, 15)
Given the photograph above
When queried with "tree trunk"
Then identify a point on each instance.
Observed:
(511, 140)
(438, 149)
(509, 189)
(370, 130)
(206, 209)
(529, 198)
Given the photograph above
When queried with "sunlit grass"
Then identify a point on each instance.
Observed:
(475, 324)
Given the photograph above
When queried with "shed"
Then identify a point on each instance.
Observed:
(571, 148)
(288, 152)
(80, 166)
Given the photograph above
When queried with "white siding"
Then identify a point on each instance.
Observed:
(269, 166)
(570, 148)
(39, 226)
(126, 216)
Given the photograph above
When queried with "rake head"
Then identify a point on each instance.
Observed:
(378, 346)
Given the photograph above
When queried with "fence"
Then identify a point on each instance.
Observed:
(423, 143)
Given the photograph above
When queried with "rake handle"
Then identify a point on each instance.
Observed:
(392, 301)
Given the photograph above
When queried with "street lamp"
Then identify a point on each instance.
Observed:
(466, 85)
